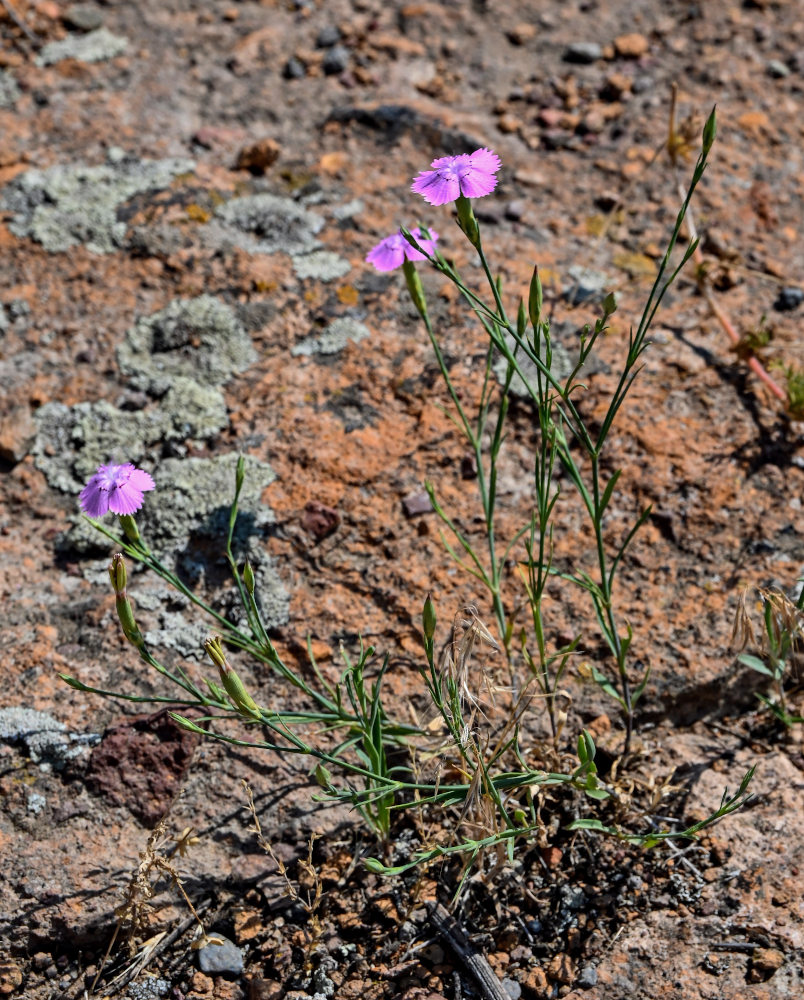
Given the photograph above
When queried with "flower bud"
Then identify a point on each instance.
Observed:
(240, 473)
(232, 684)
(429, 619)
(248, 578)
(130, 529)
(467, 220)
(117, 574)
(535, 299)
(709, 132)
(414, 284)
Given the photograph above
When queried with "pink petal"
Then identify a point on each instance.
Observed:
(124, 499)
(485, 160)
(388, 254)
(435, 189)
(94, 500)
(477, 183)
(141, 481)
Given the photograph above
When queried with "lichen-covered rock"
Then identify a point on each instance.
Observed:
(9, 91)
(266, 223)
(321, 265)
(334, 338)
(198, 338)
(90, 48)
(72, 441)
(65, 206)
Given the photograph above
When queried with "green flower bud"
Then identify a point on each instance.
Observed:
(248, 578)
(535, 299)
(414, 283)
(240, 473)
(709, 132)
(428, 619)
(467, 220)
(130, 529)
(117, 574)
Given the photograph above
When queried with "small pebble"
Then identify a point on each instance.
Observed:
(224, 958)
(327, 37)
(336, 60)
(777, 69)
(583, 52)
(514, 210)
(511, 988)
(416, 503)
(789, 298)
(294, 69)
(587, 978)
(83, 17)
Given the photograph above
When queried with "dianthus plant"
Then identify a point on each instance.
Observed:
(564, 437)
(469, 782)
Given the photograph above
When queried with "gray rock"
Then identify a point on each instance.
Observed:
(322, 265)
(294, 69)
(272, 224)
(333, 339)
(328, 36)
(777, 69)
(587, 978)
(9, 91)
(65, 206)
(200, 339)
(583, 52)
(83, 17)
(71, 442)
(3, 319)
(336, 60)
(789, 298)
(45, 739)
(511, 988)
(91, 48)
(587, 285)
(225, 958)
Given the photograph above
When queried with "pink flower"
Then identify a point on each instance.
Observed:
(115, 488)
(469, 174)
(393, 250)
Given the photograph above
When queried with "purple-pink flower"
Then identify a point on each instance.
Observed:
(115, 488)
(468, 174)
(393, 250)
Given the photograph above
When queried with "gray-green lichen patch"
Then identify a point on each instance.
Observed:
(332, 339)
(72, 441)
(266, 223)
(200, 338)
(91, 48)
(65, 206)
(322, 265)
(9, 91)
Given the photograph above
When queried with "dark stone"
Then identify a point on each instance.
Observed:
(294, 69)
(587, 978)
(83, 17)
(583, 53)
(327, 37)
(789, 298)
(336, 60)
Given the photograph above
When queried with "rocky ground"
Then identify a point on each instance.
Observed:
(187, 193)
